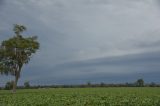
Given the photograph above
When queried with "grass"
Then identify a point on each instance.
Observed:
(82, 97)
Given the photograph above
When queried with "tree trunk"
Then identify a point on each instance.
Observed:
(15, 83)
(17, 76)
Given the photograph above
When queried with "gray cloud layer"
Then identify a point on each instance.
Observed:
(84, 38)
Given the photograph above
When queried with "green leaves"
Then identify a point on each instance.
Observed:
(17, 51)
(83, 97)
(19, 29)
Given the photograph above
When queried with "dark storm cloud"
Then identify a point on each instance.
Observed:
(113, 69)
(127, 60)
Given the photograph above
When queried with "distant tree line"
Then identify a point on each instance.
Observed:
(138, 83)
(9, 85)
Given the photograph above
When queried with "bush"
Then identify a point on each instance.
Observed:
(26, 84)
(9, 85)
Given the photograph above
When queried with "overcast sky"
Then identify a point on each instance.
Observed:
(108, 41)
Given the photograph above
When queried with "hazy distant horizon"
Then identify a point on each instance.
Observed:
(106, 41)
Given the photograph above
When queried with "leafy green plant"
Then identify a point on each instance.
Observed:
(82, 97)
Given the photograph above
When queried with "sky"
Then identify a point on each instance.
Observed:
(110, 41)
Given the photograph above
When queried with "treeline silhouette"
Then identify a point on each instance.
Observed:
(138, 83)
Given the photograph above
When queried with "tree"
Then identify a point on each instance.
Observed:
(88, 83)
(15, 52)
(26, 84)
(140, 82)
(102, 84)
(9, 85)
(153, 84)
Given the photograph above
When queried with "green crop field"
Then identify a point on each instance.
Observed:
(82, 97)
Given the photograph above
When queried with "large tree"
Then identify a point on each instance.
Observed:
(15, 52)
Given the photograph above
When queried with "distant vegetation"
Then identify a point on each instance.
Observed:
(138, 83)
(9, 85)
